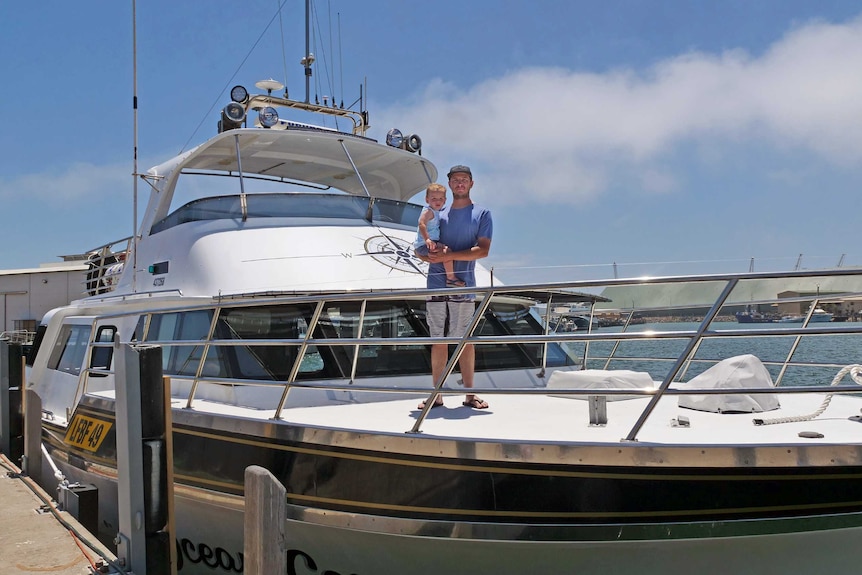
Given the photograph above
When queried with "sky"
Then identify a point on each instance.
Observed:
(618, 138)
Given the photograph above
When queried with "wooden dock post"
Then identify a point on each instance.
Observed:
(11, 416)
(145, 541)
(264, 550)
(32, 461)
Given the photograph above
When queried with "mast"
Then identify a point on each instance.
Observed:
(134, 245)
(309, 58)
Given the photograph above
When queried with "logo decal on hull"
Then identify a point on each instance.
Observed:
(395, 253)
(220, 559)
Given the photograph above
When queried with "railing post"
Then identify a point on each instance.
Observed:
(264, 547)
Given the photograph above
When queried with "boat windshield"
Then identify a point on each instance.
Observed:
(292, 205)
(272, 336)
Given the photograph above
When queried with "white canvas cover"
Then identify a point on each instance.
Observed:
(599, 379)
(732, 373)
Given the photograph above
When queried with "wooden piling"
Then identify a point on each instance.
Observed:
(264, 550)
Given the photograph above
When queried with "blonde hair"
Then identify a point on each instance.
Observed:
(434, 188)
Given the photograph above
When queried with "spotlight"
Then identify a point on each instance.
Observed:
(394, 138)
(413, 143)
(232, 117)
(268, 117)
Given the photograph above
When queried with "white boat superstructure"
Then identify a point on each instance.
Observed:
(818, 315)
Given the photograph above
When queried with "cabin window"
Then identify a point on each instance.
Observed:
(101, 356)
(515, 319)
(271, 361)
(37, 344)
(70, 349)
(303, 205)
(384, 319)
(274, 335)
(183, 326)
(274, 360)
(138, 334)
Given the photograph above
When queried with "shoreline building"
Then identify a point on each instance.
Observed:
(27, 294)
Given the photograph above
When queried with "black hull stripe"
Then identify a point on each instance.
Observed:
(397, 485)
(581, 516)
(514, 469)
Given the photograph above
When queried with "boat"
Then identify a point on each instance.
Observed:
(572, 322)
(753, 316)
(291, 327)
(817, 316)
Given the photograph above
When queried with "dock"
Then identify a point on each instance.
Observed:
(35, 537)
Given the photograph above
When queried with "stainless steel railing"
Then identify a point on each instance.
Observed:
(691, 341)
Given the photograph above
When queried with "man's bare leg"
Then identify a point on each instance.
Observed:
(438, 363)
(467, 363)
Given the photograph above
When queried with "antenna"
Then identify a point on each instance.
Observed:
(798, 263)
(341, 67)
(309, 57)
(134, 246)
(283, 54)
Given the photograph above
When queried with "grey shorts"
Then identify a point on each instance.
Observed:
(460, 314)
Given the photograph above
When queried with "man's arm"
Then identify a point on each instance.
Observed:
(477, 252)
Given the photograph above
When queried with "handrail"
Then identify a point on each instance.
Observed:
(104, 259)
(682, 361)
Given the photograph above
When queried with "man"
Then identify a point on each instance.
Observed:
(466, 229)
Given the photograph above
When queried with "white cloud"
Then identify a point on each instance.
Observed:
(560, 135)
(542, 133)
(75, 182)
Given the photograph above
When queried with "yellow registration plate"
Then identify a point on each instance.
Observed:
(86, 432)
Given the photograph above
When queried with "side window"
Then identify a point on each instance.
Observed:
(137, 335)
(68, 353)
(385, 319)
(271, 362)
(101, 356)
(181, 326)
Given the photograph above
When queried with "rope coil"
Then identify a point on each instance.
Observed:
(855, 371)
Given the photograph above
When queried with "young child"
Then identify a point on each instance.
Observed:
(428, 234)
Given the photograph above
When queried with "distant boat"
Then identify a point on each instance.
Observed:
(574, 323)
(819, 315)
(756, 317)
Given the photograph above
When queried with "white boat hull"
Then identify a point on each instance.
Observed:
(335, 550)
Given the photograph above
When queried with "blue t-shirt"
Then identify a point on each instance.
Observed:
(460, 229)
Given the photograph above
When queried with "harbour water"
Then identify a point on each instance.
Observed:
(772, 351)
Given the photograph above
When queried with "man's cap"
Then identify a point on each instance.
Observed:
(459, 169)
